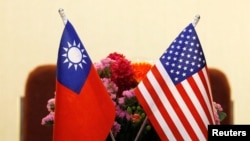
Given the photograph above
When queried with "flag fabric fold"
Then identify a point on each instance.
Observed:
(84, 110)
(176, 93)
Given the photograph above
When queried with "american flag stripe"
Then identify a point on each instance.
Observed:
(202, 95)
(207, 93)
(203, 84)
(199, 109)
(180, 106)
(153, 113)
(192, 103)
(187, 122)
(166, 112)
(176, 94)
(167, 106)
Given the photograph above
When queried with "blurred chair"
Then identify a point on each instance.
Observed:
(221, 93)
(40, 87)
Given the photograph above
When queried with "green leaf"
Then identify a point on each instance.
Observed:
(222, 115)
(129, 110)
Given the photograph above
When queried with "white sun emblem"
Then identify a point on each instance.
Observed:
(74, 55)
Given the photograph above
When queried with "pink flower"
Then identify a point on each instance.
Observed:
(216, 118)
(116, 128)
(106, 62)
(110, 85)
(217, 108)
(128, 93)
(113, 96)
(98, 66)
(121, 100)
(122, 113)
(49, 119)
(51, 104)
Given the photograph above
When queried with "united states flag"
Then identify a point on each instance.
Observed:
(176, 94)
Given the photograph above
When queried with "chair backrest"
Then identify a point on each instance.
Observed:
(221, 92)
(40, 87)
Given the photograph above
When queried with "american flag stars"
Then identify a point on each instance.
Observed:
(184, 57)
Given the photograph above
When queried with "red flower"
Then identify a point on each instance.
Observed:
(122, 73)
(135, 118)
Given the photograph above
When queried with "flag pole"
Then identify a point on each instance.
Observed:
(195, 22)
(141, 128)
(65, 19)
(63, 16)
(112, 136)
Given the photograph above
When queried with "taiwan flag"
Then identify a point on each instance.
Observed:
(84, 110)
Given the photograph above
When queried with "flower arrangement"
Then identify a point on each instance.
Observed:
(120, 76)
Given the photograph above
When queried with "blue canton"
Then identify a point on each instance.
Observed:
(184, 57)
(71, 77)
